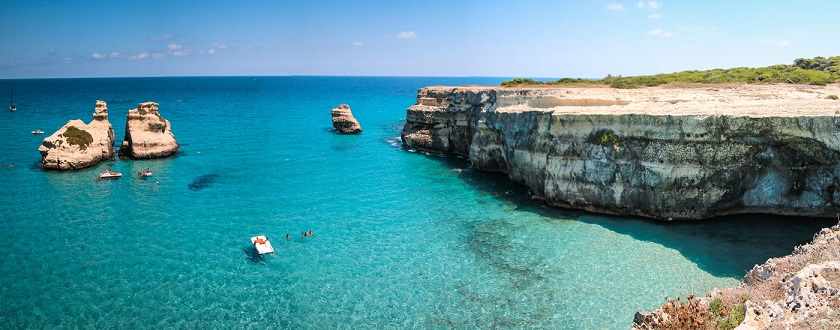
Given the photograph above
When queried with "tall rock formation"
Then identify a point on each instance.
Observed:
(343, 120)
(664, 152)
(78, 145)
(147, 134)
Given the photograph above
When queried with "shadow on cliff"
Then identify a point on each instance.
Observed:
(725, 246)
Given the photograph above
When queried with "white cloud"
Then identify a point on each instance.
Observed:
(111, 55)
(173, 47)
(220, 46)
(407, 35)
(180, 53)
(161, 37)
(655, 16)
(615, 6)
(158, 56)
(211, 52)
(357, 43)
(661, 33)
(652, 5)
(138, 56)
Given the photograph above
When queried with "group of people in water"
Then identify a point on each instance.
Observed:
(302, 234)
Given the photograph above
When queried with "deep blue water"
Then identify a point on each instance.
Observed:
(401, 239)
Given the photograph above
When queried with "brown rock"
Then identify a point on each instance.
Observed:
(343, 120)
(147, 134)
(78, 145)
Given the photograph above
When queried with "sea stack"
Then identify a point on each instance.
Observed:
(343, 120)
(147, 134)
(78, 145)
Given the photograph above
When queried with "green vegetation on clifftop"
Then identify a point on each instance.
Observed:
(815, 71)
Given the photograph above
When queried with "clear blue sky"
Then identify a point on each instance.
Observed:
(584, 38)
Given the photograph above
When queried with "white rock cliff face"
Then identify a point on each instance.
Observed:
(147, 134)
(665, 153)
(78, 145)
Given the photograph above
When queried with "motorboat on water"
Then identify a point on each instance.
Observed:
(37, 131)
(108, 174)
(262, 245)
(146, 173)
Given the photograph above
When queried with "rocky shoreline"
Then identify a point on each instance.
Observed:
(684, 152)
(798, 291)
(670, 152)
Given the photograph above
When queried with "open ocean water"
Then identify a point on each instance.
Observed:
(401, 239)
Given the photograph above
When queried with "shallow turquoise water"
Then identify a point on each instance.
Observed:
(401, 239)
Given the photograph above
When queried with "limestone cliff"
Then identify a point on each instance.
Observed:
(78, 145)
(670, 153)
(343, 120)
(147, 134)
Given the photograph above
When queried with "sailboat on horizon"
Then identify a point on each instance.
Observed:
(12, 100)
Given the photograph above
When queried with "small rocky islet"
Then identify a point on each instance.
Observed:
(77, 145)
(343, 120)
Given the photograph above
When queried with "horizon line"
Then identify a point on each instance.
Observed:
(295, 75)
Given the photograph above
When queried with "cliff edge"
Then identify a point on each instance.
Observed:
(684, 152)
(147, 134)
(78, 145)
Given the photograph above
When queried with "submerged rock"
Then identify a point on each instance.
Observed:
(147, 134)
(664, 152)
(343, 120)
(78, 145)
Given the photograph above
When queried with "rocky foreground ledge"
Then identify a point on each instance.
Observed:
(669, 152)
(798, 291)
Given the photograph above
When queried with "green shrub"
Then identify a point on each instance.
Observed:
(604, 138)
(77, 137)
(816, 71)
(735, 317)
(716, 306)
(832, 97)
(520, 81)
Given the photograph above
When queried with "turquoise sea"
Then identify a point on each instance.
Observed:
(401, 239)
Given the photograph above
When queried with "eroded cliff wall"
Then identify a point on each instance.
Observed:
(688, 153)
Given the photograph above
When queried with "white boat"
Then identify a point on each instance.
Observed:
(110, 175)
(145, 174)
(262, 245)
(37, 131)
(12, 100)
